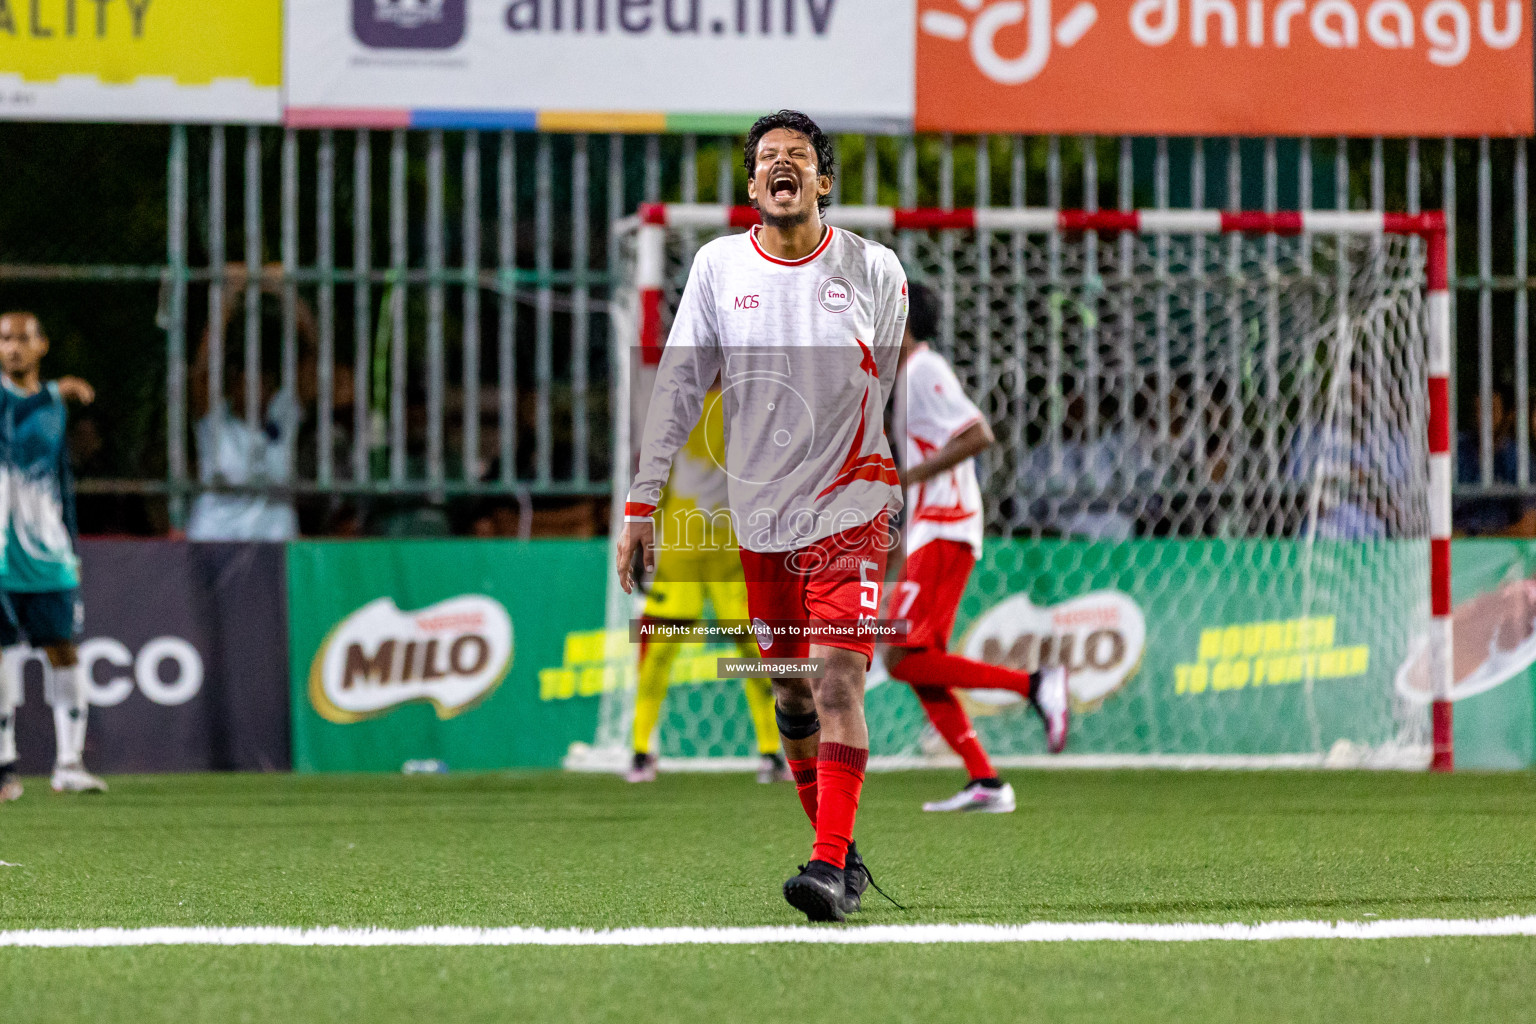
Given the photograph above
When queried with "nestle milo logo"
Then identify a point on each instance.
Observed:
(1100, 638)
(452, 655)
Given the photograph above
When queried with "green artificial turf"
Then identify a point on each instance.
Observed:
(558, 850)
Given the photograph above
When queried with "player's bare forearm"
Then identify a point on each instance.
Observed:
(641, 535)
(970, 442)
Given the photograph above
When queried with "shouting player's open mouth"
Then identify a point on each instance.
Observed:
(783, 185)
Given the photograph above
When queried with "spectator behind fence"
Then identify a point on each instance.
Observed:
(1081, 488)
(1359, 469)
(1488, 515)
(233, 452)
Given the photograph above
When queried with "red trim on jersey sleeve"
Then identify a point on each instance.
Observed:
(638, 508)
(826, 240)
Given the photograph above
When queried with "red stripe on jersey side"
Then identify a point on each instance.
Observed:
(933, 220)
(867, 364)
(948, 514)
(852, 460)
(871, 467)
(826, 240)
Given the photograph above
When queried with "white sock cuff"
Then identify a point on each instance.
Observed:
(67, 691)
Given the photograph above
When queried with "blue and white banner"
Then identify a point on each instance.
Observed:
(597, 65)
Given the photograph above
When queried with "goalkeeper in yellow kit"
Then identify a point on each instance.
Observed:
(697, 558)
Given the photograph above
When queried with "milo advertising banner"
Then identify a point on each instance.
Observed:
(1188, 648)
(1191, 648)
(1236, 648)
(431, 650)
(492, 654)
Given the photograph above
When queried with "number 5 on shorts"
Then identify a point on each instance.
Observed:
(870, 598)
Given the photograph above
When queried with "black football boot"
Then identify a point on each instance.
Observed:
(818, 892)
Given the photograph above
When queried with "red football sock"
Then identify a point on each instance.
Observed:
(949, 717)
(805, 784)
(839, 778)
(935, 668)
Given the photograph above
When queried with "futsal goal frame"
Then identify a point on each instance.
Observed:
(639, 322)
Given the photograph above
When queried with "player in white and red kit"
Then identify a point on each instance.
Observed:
(945, 432)
(802, 323)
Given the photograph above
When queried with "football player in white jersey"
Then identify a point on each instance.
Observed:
(803, 324)
(945, 432)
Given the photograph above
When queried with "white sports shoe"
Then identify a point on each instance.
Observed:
(72, 778)
(10, 788)
(773, 768)
(1053, 701)
(642, 769)
(977, 797)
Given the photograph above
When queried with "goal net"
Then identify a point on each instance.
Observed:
(1210, 497)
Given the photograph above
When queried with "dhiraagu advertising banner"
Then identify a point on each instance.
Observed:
(431, 650)
(141, 60)
(1147, 67)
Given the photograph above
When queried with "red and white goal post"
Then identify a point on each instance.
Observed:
(1235, 376)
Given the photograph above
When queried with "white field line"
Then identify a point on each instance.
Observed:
(900, 934)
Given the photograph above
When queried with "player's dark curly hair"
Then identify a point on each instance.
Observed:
(922, 311)
(793, 120)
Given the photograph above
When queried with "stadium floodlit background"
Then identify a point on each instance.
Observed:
(412, 216)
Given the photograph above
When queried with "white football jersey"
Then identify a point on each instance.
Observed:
(806, 353)
(934, 408)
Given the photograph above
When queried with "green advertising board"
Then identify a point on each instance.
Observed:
(1185, 648)
(431, 649)
(1493, 594)
(493, 654)
(1188, 647)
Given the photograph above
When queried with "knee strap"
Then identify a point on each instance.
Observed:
(796, 727)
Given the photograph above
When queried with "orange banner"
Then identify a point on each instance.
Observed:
(1226, 67)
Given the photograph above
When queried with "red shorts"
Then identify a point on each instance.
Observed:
(818, 594)
(929, 592)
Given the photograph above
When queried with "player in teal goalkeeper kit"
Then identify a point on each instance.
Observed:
(41, 572)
